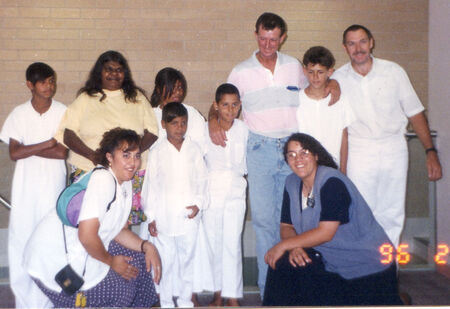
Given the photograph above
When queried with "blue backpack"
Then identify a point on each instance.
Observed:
(70, 200)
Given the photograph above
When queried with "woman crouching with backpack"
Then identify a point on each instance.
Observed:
(101, 263)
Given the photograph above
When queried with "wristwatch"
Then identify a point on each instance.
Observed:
(430, 149)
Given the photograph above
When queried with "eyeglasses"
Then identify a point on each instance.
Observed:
(109, 69)
(302, 154)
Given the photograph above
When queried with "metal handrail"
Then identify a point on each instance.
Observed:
(412, 134)
(5, 203)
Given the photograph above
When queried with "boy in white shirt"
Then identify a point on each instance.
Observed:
(173, 194)
(39, 175)
(327, 124)
(224, 219)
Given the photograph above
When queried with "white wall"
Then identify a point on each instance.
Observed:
(439, 109)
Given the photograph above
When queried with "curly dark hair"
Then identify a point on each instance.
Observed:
(94, 83)
(314, 146)
(165, 82)
(113, 139)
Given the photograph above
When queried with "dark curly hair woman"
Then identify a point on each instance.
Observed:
(109, 98)
(329, 249)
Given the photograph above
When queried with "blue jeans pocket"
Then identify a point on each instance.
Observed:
(254, 144)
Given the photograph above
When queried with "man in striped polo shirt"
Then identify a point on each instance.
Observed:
(269, 82)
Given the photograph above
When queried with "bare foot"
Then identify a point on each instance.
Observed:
(232, 302)
(194, 300)
(217, 301)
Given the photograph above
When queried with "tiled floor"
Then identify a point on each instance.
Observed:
(426, 288)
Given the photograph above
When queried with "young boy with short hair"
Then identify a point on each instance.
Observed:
(174, 191)
(328, 124)
(224, 218)
(39, 174)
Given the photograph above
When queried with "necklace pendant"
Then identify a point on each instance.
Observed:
(310, 202)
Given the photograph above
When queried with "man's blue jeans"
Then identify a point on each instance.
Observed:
(267, 172)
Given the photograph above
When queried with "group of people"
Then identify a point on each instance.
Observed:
(359, 114)
(318, 231)
(168, 190)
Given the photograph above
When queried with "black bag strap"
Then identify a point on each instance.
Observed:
(67, 252)
(115, 185)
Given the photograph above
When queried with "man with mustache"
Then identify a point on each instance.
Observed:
(383, 100)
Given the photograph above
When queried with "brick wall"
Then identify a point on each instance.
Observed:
(203, 38)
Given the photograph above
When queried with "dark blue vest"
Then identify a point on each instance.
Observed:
(354, 250)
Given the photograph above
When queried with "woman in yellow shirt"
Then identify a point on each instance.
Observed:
(109, 99)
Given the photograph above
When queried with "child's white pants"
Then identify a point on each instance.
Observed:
(203, 268)
(177, 258)
(223, 222)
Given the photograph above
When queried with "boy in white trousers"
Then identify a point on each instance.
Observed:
(174, 191)
(224, 219)
(39, 175)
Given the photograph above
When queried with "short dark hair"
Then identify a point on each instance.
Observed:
(165, 82)
(270, 21)
(173, 110)
(356, 27)
(38, 72)
(314, 146)
(226, 89)
(114, 139)
(94, 83)
(319, 55)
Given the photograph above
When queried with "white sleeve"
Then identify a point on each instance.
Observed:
(99, 193)
(12, 128)
(150, 186)
(234, 79)
(409, 100)
(200, 183)
(348, 115)
(245, 138)
(196, 127)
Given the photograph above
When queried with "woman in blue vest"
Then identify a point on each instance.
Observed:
(329, 252)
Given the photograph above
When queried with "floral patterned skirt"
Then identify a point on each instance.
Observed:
(137, 213)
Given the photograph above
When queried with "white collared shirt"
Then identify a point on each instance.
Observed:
(232, 157)
(174, 180)
(269, 100)
(382, 100)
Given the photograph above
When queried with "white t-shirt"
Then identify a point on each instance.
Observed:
(45, 254)
(325, 123)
